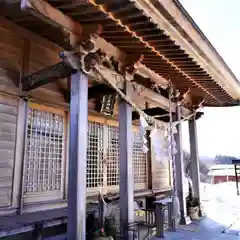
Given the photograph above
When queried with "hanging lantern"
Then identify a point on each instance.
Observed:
(108, 104)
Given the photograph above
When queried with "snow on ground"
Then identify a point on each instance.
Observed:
(221, 204)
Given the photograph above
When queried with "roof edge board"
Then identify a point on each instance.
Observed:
(216, 67)
(194, 24)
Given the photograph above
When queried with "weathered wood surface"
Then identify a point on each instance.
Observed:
(10, 60)
(41, 53)
(8, 125)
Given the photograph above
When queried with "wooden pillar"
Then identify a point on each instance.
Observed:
(195, 172)
(179, 163)
(236, 178)
(21, 150)
(126, 165)
(77, 157)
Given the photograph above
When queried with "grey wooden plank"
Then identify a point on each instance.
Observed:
(6, 182)
(8, 127)
(12, 110)
(8, 123)
(7, 153)
(6, 136)
(7, 145)
(10, 118)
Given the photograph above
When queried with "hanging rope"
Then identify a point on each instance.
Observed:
(149, 119)
(152, 121)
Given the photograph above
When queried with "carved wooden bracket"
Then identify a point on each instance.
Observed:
(191, 101)
(89, 55)
(187, 99)
(85, 55)
(128, 66)
(88, 32)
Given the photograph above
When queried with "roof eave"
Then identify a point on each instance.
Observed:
(191, 39)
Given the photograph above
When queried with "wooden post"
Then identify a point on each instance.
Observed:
(236, 178)
(180, 170)
(195, 171)
(78, 157)
(22, 121)
(159, 220)
(37, 233)
(126, 165)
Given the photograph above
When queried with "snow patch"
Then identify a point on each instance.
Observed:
(221, 204)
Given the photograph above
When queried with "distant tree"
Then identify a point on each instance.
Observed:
(223, 159)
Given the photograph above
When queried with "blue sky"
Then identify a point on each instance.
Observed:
(218, 129)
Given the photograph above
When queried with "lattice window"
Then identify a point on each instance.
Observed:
(113, 156)
(139, 160)
(45, 151)
(95, 155)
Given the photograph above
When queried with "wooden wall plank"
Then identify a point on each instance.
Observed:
(10, 60)
(8, 109)
(42, 53)
(8, 124)
(41, 57)
(11, 47)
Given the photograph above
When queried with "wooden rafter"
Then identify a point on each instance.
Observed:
(155, 51)
(51, 15)
(204, 53)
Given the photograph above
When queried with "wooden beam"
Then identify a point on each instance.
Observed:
(99, 91)
(43, 10)
(150, 111)
(96, 91)
(46, 75)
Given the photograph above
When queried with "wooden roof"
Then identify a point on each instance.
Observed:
(130, 29)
